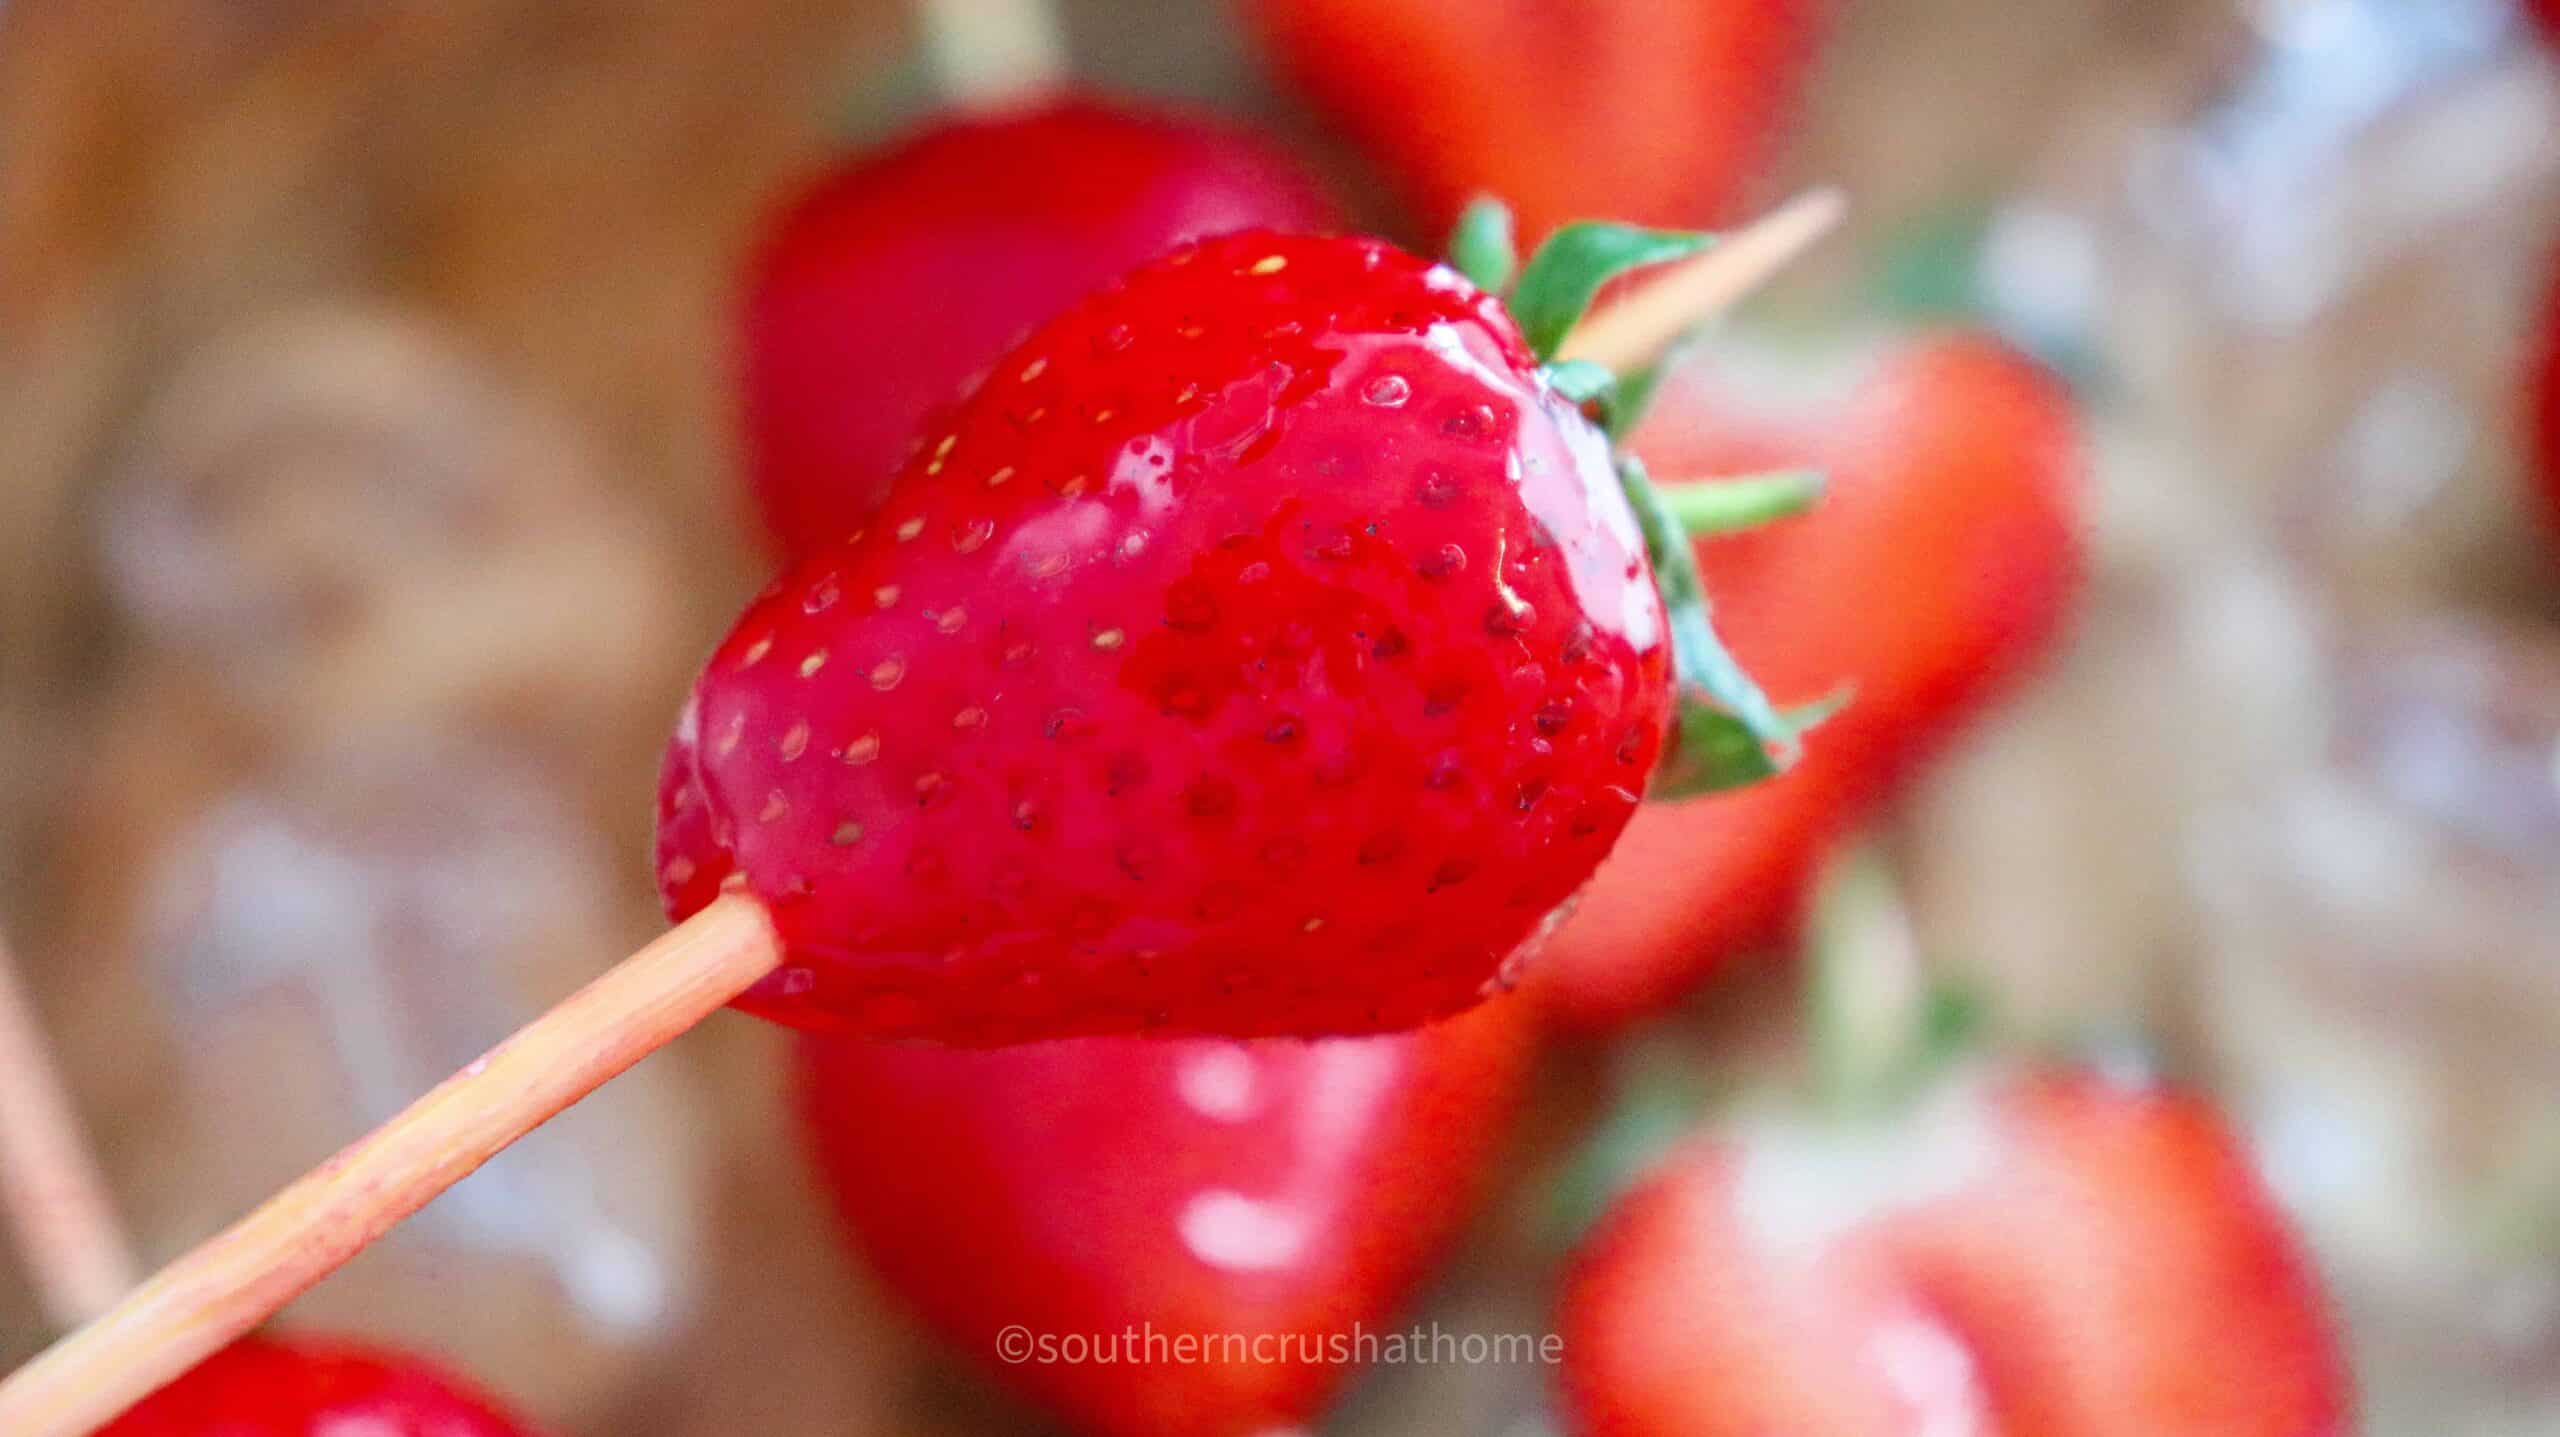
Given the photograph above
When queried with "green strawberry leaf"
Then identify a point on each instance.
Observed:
(1567, 273)
(1482, 246)
(1745, 501)
(1716, 751)
(1623, 407)
(1580, 380)
(1754, 740)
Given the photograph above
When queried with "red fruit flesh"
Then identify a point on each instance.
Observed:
(1263, 650)
(1657, 112)
(259, 1387)
(2057, 1256)
(1264, 1196)
(889, 284)
(1938, 565)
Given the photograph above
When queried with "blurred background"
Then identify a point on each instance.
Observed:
(371, 482)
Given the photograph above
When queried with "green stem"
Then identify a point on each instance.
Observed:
(1867, 988)
(1729, 733)
(1483, 247)
(1726, 506)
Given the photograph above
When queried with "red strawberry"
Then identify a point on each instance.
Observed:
(1266, 648)
(891, 282)
(260, 1387)
(2056, 1254)
(1277, 1190)
(1656, 111)
(1940, 562)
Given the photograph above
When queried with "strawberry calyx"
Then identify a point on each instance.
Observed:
(1727, 732)
(1738, 502)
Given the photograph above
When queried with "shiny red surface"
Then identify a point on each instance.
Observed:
(1659, 112)
(260, 1387)
(891, 282)
(2062, 1256)
(1263, 650)
(1275, 1190)
(1938, 566)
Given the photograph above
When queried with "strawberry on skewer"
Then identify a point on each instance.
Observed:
(1547, 799)
(1180, 685)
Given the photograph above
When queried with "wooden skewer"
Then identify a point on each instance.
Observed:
(217, 1293)
(1634, 332)
(57, 1203)
(235, 1280)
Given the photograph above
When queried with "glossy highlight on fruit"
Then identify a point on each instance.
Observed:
(891, 282)
(2051, 1253)
(265, 1387)
(1264, 649)
(1238, 1191)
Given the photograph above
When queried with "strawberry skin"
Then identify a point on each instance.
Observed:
(887, 285)
(1198, 1186)
(1940, 563)
(2054, 1254)
(1654, 111)
(1263, 649)
(260, 1387)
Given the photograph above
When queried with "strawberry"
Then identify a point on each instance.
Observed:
(1268, 647)
(261, 1387)
(888, 283)
(1940, 564)
(2047, 1252)
(1657, 111)
(1273, 1192)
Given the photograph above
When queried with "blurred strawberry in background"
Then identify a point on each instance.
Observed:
(885, 287)
(2058, 1253)
(1657, 112)
(258, 1387)
(1938, 564)
(1076, 1190)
